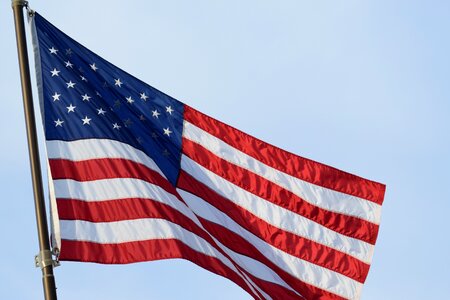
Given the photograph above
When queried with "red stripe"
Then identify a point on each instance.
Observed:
(127, 209)
(302, 168)
(107, 168)
(293, 244)
(149, 250)
(344, 224)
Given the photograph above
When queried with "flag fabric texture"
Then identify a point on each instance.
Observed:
(136, 175)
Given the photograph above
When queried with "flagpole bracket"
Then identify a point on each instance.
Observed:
(44, 259)
(23, 3)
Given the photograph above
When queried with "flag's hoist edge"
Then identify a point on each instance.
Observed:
(278, 225)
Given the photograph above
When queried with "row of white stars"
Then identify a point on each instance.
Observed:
(87, 121)
(70, 84)
(86, 97)
(155, 113)
(129, 99)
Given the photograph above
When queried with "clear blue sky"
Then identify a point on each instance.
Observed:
(360, 85)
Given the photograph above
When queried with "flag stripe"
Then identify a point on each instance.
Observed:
(116, 210)
(109, 254)
(286, 241)
(303, 270)
(85, 190)
(110, 211)
(130, 209)
(319, 196)
(106, 168)
(258, 185)
(100, 190)
(302, 168)
(148, 250)
(134, 208)
(280, 217)
(98, 148)
(237, 243)
(109, 168)
(100, 169)
(148, 229)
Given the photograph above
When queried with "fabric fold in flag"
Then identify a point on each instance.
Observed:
(137, 175)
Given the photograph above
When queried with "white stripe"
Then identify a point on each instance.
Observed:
(305, 271)
(98, 148)
(150, 229)
(276, 215)
(319, 196)
(109, 189)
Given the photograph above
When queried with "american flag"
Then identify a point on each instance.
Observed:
(136, 175)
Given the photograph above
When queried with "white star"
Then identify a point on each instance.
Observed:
(69, 52)
(116, 126)
(167, 131)
(155, 113)
(56, 96)
(144, 96)
(86, 121)
(93, 67)
(53, 51)
(130, 100)
(70, 84)
(55, 72)
(101, 111)
(58, 123)
(169, 109)
(68, 64)
(70, 108)
(142, 118)
(86, 97)
(83, 78)
(118, 82)
(98, 94)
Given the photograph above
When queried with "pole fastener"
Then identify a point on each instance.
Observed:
(44, 259)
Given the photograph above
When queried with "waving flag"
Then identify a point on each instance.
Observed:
(137, 176)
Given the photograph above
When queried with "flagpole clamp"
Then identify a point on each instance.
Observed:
(44, 259)
(23, 3)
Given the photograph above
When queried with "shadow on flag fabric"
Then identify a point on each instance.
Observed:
(136, 175)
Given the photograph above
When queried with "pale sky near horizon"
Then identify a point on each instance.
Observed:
(363, 86)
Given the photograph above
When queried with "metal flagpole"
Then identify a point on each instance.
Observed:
(44, 258)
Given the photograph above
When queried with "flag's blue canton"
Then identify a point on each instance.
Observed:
(87, 97)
